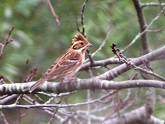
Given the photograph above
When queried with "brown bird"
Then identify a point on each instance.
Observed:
(68, 64)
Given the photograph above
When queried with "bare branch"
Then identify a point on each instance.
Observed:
(102, 45)
(3, 118)
(138, 115)
(157, 30)
(102, 63)
(55, 105)
(8, 36)
(150, 92)
(162, 7)
(86, 83)
(143, 26)
(7, 41)
(123, 59)
(111, 74)
(140, 34)
(152, 4)
(82, 17)
(83, 84)
(53, 12)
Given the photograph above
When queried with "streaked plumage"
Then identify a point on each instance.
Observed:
(68, 64)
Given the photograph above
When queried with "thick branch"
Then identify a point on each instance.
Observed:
(102, 63)
(136, 116)
(111, 74)
(142, 23)
(83, 84)
(150, 92)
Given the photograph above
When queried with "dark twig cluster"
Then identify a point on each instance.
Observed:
(123, 59)
(120, 55)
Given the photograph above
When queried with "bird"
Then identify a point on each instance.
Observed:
(68, 64)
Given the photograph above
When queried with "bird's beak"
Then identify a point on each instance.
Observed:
(89, 45)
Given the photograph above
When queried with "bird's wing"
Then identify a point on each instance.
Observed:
(66, 64)
(63, 66)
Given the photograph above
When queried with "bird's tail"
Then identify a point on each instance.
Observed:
(35, 85)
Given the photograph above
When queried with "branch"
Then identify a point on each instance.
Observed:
(104, 42)
(143, 26)
(157, 30)
(150, 92)
(8, 99)
(136, 116)
(53, 12)
(109, 61)
(140, 34)
(82, 17)
(7, 41)
(101, 46)
(111, 74)
(152, 4)
(81, 84)
(56, 105)
(102, 63)
(123, 59)
(94, 83)
(3, 118)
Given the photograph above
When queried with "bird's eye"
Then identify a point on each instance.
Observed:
(82, 43)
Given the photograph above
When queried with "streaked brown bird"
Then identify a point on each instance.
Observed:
(68, 64)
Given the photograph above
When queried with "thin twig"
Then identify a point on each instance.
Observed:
(32, 75)
(82, 17)
(102, 45)
(3, 117)
(57, 95)
(89, 98)
(53, 12)
(104, 42)
(123, 59)
(18, 99)
(8, 36)
(152, 4)
(90, 57)
(140, 34)
(157, 30)
(51, 119)
(7, 41)
(83, 28)
(54, 105)
(162, 7)
(45, 109)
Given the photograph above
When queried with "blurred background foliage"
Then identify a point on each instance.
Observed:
(38, 40)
